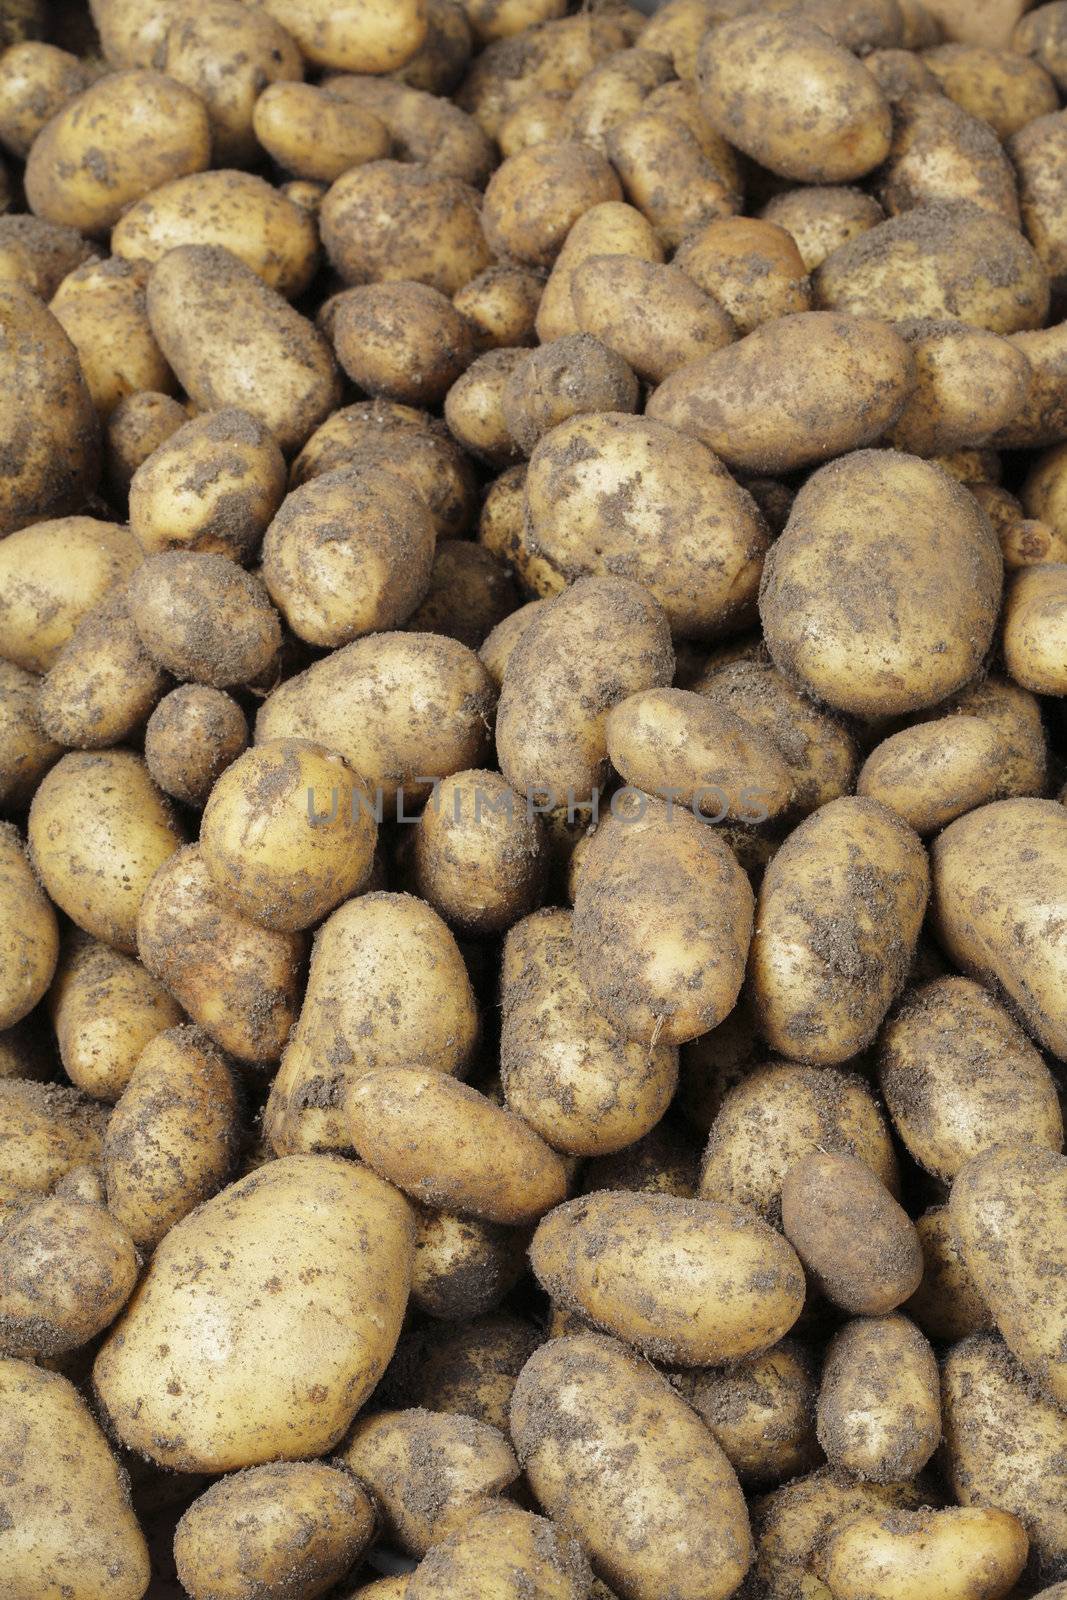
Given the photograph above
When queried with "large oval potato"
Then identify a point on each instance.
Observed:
(960, 1553)
(933, 772)
(856, 1242)
(356, 35)
(653, 315)
(367, 233)
(941, 152)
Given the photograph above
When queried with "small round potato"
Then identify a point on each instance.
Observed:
(474, 406)
(106, 1009)
(879, 1412)
(821, 218)
(752, 268)
(761, 1411)
(935, 771)
(504, 1554)
(36, 81)
(464, 1267)
(501, 304)
(203, 618)
(654, 316)
(959, 1553)
(858, 1244)
(480, 855)
(535, 198)
(139, 424)
(192, 736)
(366, 227)
(611, 228)
(66, 1271)
(562, 379)
(314, 134)
(403, 340)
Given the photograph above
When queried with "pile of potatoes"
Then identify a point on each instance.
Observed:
(533, 800)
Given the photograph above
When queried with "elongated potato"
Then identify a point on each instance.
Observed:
(105, 1009)
(504, 1554)
(791, 1523)
(103, 684)
(101, 308)
(66, 1271)
(355, 36)
(653, 315)
(1035, 627)
(648, 142)
(879, 1411)
(961, 1553)
(970, 383)
(29, 935)
(366, 231)
(45, 1131)
(946, 1305)
(314, 134)
(933, 772)
(611, 228)
(857, 1243)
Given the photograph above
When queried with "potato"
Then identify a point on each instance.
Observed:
(366, 223)
(1035, 627)
(203, 618)
(130, 31)
(825, 121)
(356, 36)
(45, 1130)
(959, 1076)
(391, 1453)
(611, 228)
(139, 425)
(879, 1412)
(537, 119)
(535, 197)
(946, 1305)
(616, 1259)
(791, 1523)
(103, 684)
(946, 260)
(428, 461)
(654, 316)
(1004, 1444)
(191, 738)
(969, 384)
(287, 1373)
(1039, 152)
(499, 19)
(899, 73)
(270, 1529)
(274, 365)
(664, 1498)
(474, 406)
(963, 1554)
(1041, 35)
(387, 972)
(40, 254)
(761, 1411)
(501, 304)
(464, 1267)
(237, 980)
(470, 1368)
(29, 935)
(993, 873)
(821, 218)
(567, 377)
(84, 1185)
(614, 91)
(502, 530)
(449, 1146)
(791, 394)
(752, 268)
(1001, 87)
(942, 152)
(405, 341)
(675, 890)
(554, 59)
(856, 1242)
(36, 81)
(676, 521)
(232, 210)
(935, 771)
(1004, 1210)
(508, 1554)
(1015, 716)
(26, 751)
(664, 1161)
(228, 57)
(67, 1271)
(439, 64)
(480, 855)
(875, 24)
(315, 134)
(73, 1535)
(82, 169)
(645, 145)
(51, 575)
(105, 1009)
(470, 591)
(431, 132)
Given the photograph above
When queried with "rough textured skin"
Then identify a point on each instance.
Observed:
(857, 1243)
(942, 152)
(105, 1009)
(192, 736)
(386, 220)
(879, 1411)
(66, 1270)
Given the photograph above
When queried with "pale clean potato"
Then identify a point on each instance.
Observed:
(105, 1009)
(957, 1553)
(933, 772)
(959, 1075)
(662, 923)
(355, 35)
(139, 424)
(664, 1498)
(652, 315)
(51, 438)
(611, 228)
(1004, 1444)
(610, 493)
(98, 829)
(792, 393)
(879, 1409)
(969, 383)
(314, 134)
(393, 1452)
(235, 210)
(644, 146)
(942, 152)
(1006, 1209)
(255, 1369)
(996, 872)
(761, 1411)
(402, 340)
(1002, 86)
(103, 684)
(858, 1245)
(69, 1532)
(464, 1267)
(501, 304)
(946, 1305)
(446, 1145)
(504, 1554)
(474, 409)
(84, 170)
(29, 934)
(66, 1271)
(51, 575)
(916, 635)
(837, 920)
(614, 91)
(101, 308)
(26, 751)
(480, 854)
(191, 738)
(821, 217)
(424, 128)
(239, 981)
(469, 1368)
(290, 1526)
(683, 746)
(751, 267)
(1035, 628)
(471, 590)
(387, 988)
(791, 1523)
(567, 377)
(946, 260)
(1015, 715)
(270, 361)
(45, 1130)
(366, 224)
(36, 81)
(783, 92)
(534, 199)
(691, 1282)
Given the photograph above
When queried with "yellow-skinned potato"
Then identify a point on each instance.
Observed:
(101, 307)
(942, 152)
(139, 424)
(580, 1083)
(204, 618)
(1042, 419)
(554, 59)
(611, 228)
(45, 1130)
(1006, 1209)
(428, 460)
(52, 436)
(192, 736)
(315, 134)
(504, 1554)
(879, 1410)
(535, 198)
(82, 168)
(469, 1368)
(26, 751)
(946, 1305)
(614, 91)
(899, 73)
(447, 1145)
(470, 591)
(1016, 716)
(502, 530)
(1003, 87)
(751, 267)
(1043, 37)
(345, 432)
(1035, 627)
(662, 922)
(105, 1009)
(36, 81)
(664, 1498)
(132, 30)
(254, 1368)
(761, 1411)
(791, 1523)
(856, 1242)
(824, 121)
(103, 684)
(237, 980)
(51, 575)
(73, 1535)
(423, 128)
(373, 1001)
(172, 1138)
(567, 377)
(290, 1525)
(1039, 153)
(537, 119)
(66, 1271)
(935, 771)
(874, 24)
(444, 55)
(839, 913)
(405, 341)
(1024, 541)
(653, 315)
(959, 1075)
(39, 254)
(29, 934)
(499, 19)
(994, 871)
(676, 28)
(648, 144)
(969, 383)
(389, 1451)
(271, 362)
(691, 1282)
(822, 217)
(366, 227)
(501, 304)
(474, 408)
(464, 1267)
(791, 393)
(480, 856)
(1044, 495)
(957, 1553)
(235, 210)
(356, 35)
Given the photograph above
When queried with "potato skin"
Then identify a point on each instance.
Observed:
(464, 1267)
(854, 1239)
(1002, 87)
(821, 217)
(101, 308)
(36, 81)
(970, 383)
(653, 315)
(139, 424)
(567, 377)
(314, 134)
(405, 341)
(946, 1305)
(879, 1411)
(26, 751)
(68, 1269)
(1035, 627)
(366, 227)
(105, 1009)
(502, 1553)
(611, 228)
(648, 143)
(975, 1554)
(942, 152)
(29, 934)
(479, 857)
(675, 1508)
(357, 36)
(534, 199)
(935, 771)
(45, 1130)
(761, 1411)
(192, 736)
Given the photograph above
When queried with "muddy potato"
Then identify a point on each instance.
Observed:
(969, 383)
(191, 738)
(654, 316)
(470, 591)
(1042, 419)
(29, 934)
(203, 618)
(337, 441)
(501, 304)
(131, 31)
(105, 1009)
(103, 684)
(40, 254)
(664, 1497)
(405, 341)
(946, 1305)
(355, 36)
(1043, 36)
(822, 218)
(941, 152)
(474, 409)
(272, 1530)
(791, 393)
(1035, 627)
(761, 1411)
(83, 170)
(286, 1373)
(428, 461)
(51, 575)
(554, 59)
(470, 1368)
(791, 1523)
(507, 1554)
(537, 119)
(464, 1267)
(367, 227)
(500, 642)
(534, 199)
(752, 268)
(899, 73)
(935, 771)
(668, 177)
(314, 134)
(480, 855)
(567, 377)
(139, 425)
(611, 228)
(502, 530)
(856, 1242)
(1015, 715)
(439, 64)
(26, 751)
(45, 1130)
(36, 81)
(963, 1554)
(614, 91)
(879, 1411)
(1003, 87)
(73, 1534)
(1044, 496)
(429, 131)
(66, 1271)
(387, 988)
